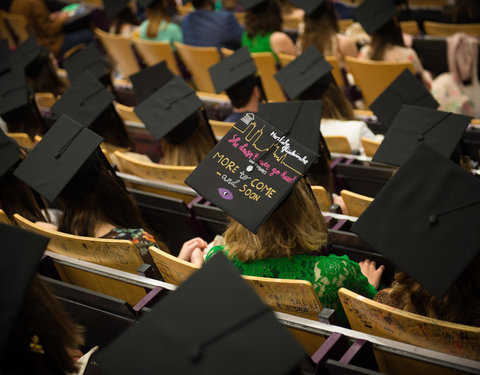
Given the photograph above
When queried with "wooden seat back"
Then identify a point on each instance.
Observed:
(119, 48)
(109, 151)
(338, 143)
(370, 146)
(174, 270)
(45, 100)
(5, 32)
(22, 139)
(220, 128)
(355, 203)
(167, 173)
(373, 77)
(240, 16)
(198, 60)
(290, 22)
(447, 29)
(4, 218)
(322, 197)
(344, 24)
(18, 24)
(118, 254)
(410, 27)
(153, 52)
(366, 315)
(126, 113)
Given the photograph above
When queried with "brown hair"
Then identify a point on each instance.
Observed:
(191, 151)
(156, 13)
(296, 227)
(335, 104)
(263, 19)
(320, 27)
(124, 17)
(459, 305)
(388, 35)
(41, 315)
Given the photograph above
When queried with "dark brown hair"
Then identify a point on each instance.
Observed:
(388, 35)
(335, 104)
(320, 26)
(124, 17)
(263, 19)
(156, 13)
(111, 127)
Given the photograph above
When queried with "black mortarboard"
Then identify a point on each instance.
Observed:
(22, 253)
(232, 70)
(307, 70)
(150, 79)
(405, 89)
(165, 111)
(425, 220)
(249, 4)
(89, 58)
(253, 168)
(14, 94)
(4, 56)
(28, 52)
(413, 125)
(113, 7)
(309, 6)
(146, 3)
(214, 323)
(373, 14)
(9, 153)
(85, 100)
(57, 158)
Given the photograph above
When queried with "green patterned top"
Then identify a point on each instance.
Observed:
(326, 273)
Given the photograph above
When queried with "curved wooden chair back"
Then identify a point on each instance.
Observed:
(447, 29)
(5, 32)
(4, 218)
(208, 97)
(126, 113)
(22, 139)
(153, 52)
(290, 23)
(109, 151)
(366, 315)
(370, 146)
(119, 48)
(322, 197)
(18, 24)
(373, 77)
(167, 173)
(355, 203)
(183, 10)
(240, 16)
(118, 254)
(45, 100)
(174, 270)
(344, 24)
(410, 27)
(220, 128)
(338, 143)
(198, 60)
(336, 71)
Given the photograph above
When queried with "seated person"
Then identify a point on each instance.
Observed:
(158, 25)
(123, 20)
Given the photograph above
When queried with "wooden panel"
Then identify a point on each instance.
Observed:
(4, 218)
(355, 203)
(267, 68)
(369, 146)
(447, 29)
(220, 128)
(321, 195)
(338, 143)
(154, 52)
(22, 139)
(174, 270)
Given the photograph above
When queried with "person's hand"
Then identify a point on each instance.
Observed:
(192, 251)
(59, 16)
(371, 272)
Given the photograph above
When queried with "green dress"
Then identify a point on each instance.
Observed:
(326, 273)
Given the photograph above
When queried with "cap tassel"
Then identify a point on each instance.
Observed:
(66, 145)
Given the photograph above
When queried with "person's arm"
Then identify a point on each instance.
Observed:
(281, 43)
(371, 272)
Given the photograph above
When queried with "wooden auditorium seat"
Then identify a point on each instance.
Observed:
(126, 113)
(370, 146)
(447, 29)
(410, 27)
(18, 24)
(338, 144)
(118, 254)
(45, 100)
(355, 203)
(373, 77)
(220, 128)
(198, 60)
(22, 139)
(5, 32)
(174, 270)
(4, 218)
(153, 52)
(119, 48)
(240, 16)
(109, 152)
(366, 315)
(344, 24)
(322, 197)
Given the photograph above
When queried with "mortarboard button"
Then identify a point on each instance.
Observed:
(421, 138)
(433, 219)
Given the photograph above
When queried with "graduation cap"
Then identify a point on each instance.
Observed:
(15, 97)
(232, 70)
(9, 153)
(145, 3)
(56, 159)
(373, 14)
(405, 89)
(89, 58)
(308, 71)
(165, 112)
(28, 53)
(23, 251)
(309, 6)
(113, 7)
(255, 166)
(425, 220)
(249, 4)
(414, 125)
(85, 100)
(210, 322)
(150, 79)
(4, 56)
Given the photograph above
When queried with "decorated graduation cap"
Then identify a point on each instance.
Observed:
(4, 56)
(309, 6)
(58, 157)
(405, 89)
(250, 4)
(181, 335)
(85, 100)
(89, 58)
(150, 79)
(425, 220)
(309, 71)
(167, 111)
(414, 125)
(113, 7)
(255, 166)
(15, 97)
(9, 153)
(23, 251)
(373, 14)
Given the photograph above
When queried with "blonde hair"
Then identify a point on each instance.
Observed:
(296, 227)
(156, 13)
(321, 29)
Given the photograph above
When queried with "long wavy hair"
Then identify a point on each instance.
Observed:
(296, 227)
(335, 104)
(263, 19)
(461, 303)
(156, 13)
(320, 28)
(388, 35)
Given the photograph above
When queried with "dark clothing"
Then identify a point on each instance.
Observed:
(204, 28)
(234, 117)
